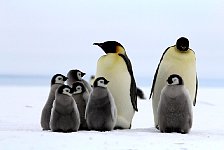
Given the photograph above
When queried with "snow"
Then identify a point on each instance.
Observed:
(20, 110)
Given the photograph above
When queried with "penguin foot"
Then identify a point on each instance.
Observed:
(157, 126)
(168, 130)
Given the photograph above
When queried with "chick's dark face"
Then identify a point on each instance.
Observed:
(182, 44)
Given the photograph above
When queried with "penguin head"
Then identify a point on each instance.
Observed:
(78, 87)
(58, 78)
(65, 90)
(111, 47)
(175, 79)
(100, 82)
(182, 44)
(76, 74)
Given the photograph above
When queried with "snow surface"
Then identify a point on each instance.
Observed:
(20, 110)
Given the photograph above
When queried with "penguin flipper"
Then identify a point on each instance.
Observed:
(155, 75)
(196, 91)
(140, 93)
(133, 88)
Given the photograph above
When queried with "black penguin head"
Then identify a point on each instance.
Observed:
(182, 44)
(65, 89)
(58, 78)
(76, 74)
(78, 87)
(111, 47)
(100, 82)
(175, 79)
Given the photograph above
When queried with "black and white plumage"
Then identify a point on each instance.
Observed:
(116, 67)
(56, 81)
(76, 75)
(175, 107)
(101, 112)
(81, 97)
(65, 114)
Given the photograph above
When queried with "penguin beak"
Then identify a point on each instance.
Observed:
(82, 74)
(65, 78)
(106, 82)
(98, 44)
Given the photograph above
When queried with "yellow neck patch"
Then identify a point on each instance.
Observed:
(120, 50)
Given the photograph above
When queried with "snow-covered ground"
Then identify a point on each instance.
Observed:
(20, 110)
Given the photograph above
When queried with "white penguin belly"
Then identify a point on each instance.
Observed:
(114, 69)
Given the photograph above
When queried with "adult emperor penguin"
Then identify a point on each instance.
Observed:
(65, 114)
(101, 112)
(178, 59)
(76, 75)
(81, 97)
(116, 67)
(56, 81)
(175, 107)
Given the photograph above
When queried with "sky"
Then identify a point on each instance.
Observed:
(44, 37)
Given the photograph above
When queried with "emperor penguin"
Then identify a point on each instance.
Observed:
(175, 107)
(65, 114)
(56, 81)
(76, 75)
(101, 112)
(178, 59)
(81, 97)
(116, 67)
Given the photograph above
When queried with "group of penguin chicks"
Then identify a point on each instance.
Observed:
(78, 106)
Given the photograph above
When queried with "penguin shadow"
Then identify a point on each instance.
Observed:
(62, 131)
(143, 130)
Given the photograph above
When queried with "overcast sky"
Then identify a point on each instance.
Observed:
(44, 37)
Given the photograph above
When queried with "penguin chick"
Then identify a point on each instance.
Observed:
(65, 114)
(175, 107)
(81, 97)
(116, 67)
(56, 81)
(76, 75)
(101, 112)
(178, 59)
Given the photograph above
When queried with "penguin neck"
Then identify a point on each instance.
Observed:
(63, 108)
(179, 51)
(100, 97)
(99, 92)
(173, 90)
(63, 100)
(109, 61)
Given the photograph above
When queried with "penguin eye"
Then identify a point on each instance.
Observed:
(59, 78)
(101, 81)
(79, 88)
(67, 90)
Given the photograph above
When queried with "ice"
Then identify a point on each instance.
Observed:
(20, 110)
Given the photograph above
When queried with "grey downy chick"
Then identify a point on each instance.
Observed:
(101, 112)
(81, 95)
(65, 114)
(56, 81)
(175, 107)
